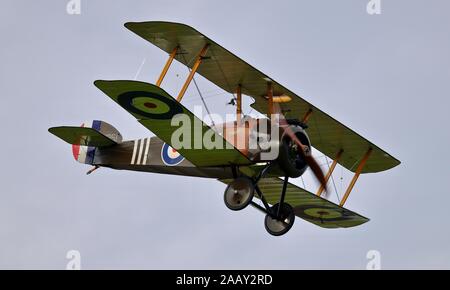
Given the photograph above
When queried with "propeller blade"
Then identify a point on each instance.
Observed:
(304, 150)
(309, 159)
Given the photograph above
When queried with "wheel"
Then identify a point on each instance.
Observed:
(280, 226)
(239, 193)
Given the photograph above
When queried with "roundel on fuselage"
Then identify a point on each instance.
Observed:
(170, 156)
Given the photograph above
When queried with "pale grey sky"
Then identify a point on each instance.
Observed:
(387, 76)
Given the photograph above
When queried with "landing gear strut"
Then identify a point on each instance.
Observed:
(239, 194)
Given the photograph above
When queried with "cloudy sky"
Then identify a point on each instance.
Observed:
(387, 76)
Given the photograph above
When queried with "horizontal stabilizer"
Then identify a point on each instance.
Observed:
(82, 136)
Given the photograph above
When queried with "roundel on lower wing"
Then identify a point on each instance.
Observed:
(150, 105)
(170, 156)
(320, 213)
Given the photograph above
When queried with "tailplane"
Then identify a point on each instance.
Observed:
(87, 138)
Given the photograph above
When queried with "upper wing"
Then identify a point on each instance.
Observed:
(308, 206)
(82, 136)
(154, 108)
(228, 71)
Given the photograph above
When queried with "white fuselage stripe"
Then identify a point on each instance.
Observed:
(133, 158)
(147, 147)
(141, 148)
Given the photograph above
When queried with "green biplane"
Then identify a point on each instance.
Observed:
(246, 171)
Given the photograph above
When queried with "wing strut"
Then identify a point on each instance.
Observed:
(330, 171)
(166, 66)
(355, 177)
(270, 110)
(197, 63)
(307, 116)
(238, 104)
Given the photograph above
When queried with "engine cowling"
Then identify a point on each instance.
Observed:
(289, 159)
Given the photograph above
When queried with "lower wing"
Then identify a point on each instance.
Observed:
(309, 206)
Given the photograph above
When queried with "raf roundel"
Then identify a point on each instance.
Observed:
(149, 105)
(170, 156)
(321, 213)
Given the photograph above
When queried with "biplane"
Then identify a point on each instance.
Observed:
(247, 174)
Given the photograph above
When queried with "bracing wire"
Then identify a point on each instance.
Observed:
(209, 94)
(204, 103)
(332, 179)
(222, 72)
(201, 96)
(140, 69)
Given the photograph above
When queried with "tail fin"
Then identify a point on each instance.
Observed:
(87, 138)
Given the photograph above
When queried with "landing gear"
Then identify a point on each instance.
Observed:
(282, 222)
(239, 194)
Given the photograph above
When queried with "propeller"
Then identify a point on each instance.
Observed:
(304, 150)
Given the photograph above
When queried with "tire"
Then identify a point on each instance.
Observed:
(280, 226)
(239, 193)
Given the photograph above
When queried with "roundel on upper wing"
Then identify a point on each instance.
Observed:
(170, 156)
(149, 105)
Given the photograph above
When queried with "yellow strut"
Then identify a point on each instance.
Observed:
(166, 67)
(330, 171)
(355, 177)
(193, 70)
(307, 116)
(270, 99)
(238, 104)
